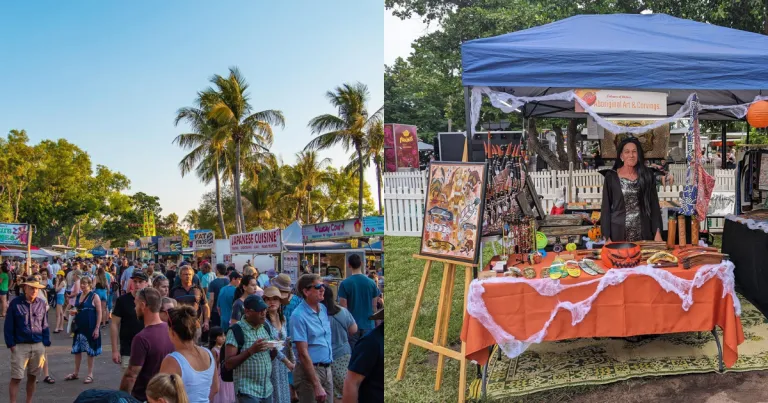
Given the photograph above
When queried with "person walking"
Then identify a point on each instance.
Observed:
(311, 334)
(227, 298)
(282, 365)
(149, 347)
(365, 377)
(161, 284)
(87, 338)
(218, 339)
(125, 322)
(193, 363)
(214, 288)
(5, 281)
(26, 335)
(188, 288)
(102, 289)
(61, 288)
(251, 365)
(289, 301)
(248, 286)
(359, 295)
(343, 327)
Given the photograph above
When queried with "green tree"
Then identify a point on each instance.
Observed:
(373, 152)
(229, 105)
(208, 151)
(308, 173)
(348, 128)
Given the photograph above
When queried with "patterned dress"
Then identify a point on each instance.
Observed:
(83, 341)
(630, 189)
(281, 391)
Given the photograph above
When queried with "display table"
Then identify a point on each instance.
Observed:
(511, 312)
(748, 249)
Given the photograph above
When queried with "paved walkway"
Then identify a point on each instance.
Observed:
(106, 373)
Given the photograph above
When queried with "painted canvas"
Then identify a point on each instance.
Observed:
(453, 216)
(654, 142)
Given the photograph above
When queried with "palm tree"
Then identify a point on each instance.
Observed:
(229, 105)
(308, 173)
(208, 151)
(265, 188)
(192, 219)
(373, 151)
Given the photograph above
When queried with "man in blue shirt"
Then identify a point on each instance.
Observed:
(27, 334)
(311, 333)
(216, 285)
(227, 298)
(358, 294)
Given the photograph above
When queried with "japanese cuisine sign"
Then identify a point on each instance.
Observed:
(256, 242)
(454, 211)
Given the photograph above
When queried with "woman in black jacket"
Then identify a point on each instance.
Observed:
(630, 210)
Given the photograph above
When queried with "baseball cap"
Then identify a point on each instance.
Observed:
(138, 274)
(255, 303)
(271, 273)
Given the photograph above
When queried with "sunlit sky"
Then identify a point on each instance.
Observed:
(110, 76)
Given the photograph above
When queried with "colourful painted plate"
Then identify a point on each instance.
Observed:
(541, 240)
(570, 247)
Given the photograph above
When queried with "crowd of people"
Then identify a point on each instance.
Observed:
(199, 333)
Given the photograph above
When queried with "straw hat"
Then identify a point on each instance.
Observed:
(282, 282)
(271, 292)
(34, 282)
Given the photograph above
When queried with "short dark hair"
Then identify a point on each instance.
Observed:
(152, 298)
(221, 268)
(354, 261)
(305, 281)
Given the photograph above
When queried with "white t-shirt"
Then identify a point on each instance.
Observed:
(55, 267)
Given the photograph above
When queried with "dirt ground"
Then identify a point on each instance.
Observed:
(742, 387)
(106, 374)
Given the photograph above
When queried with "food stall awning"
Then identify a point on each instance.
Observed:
(718, 143)
(653, 52)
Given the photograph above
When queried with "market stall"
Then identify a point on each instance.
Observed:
(653, 68)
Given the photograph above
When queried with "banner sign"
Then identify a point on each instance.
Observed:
(291, 266)
(192, 233)
(14, 234)
(332, 230)
(624, 102)
(131, 246)
(402, 144)
(256, 242)
(373, 225)
(169, 245)
(203, 240)
(144, 242)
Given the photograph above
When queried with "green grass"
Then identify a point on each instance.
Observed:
(403, 274)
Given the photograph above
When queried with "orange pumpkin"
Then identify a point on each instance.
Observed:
(621, 254)
(595, 233)
(757, 114)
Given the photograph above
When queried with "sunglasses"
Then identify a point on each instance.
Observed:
(316, 286)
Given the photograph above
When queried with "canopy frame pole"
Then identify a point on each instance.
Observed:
(724, 129)
(468, 119)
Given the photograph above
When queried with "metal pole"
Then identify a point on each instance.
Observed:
(468, 120)
(723, 134)
(29, 249)
(748, 129)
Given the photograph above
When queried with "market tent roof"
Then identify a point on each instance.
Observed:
(292, 234)
(652, 52)
(425, 147)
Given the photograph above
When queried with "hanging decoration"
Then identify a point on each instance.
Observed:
(757, 114)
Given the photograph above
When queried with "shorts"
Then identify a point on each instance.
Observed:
(3, 292)
(124, 360)
(60, 300)
(339, 369)
(27, 358)
(102, 293)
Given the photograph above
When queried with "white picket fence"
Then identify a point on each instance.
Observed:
(405, 193)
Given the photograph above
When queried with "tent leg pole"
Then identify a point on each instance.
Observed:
(723, 134)
(468, 120)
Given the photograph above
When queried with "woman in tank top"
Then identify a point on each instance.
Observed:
(194, 364)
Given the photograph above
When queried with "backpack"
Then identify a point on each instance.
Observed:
(227, 375)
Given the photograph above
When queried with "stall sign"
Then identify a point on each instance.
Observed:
(14, 234)
(169, 244)
(256, 242)
(291, 266)
(203, 240)
(227, 258)
(192, 233)
(623, 102)
(373, 225)
(130, 246)
(144, 242)
(405, 144)
(333, 230)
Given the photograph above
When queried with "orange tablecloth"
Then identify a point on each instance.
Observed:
(637, 306)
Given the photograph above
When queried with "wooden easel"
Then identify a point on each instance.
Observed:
(440, 337)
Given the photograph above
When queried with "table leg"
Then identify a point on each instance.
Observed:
(720, 364)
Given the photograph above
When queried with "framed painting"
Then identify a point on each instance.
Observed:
(454, 211)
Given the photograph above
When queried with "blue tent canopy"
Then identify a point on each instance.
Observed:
(621, 51)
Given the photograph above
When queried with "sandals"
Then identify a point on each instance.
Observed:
(88, 379)
(71, 377)
(49, 380)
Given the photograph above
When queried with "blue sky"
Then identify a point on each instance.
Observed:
(109, 76)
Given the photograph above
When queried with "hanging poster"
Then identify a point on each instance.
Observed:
(655, 142)
(291, 266)
(14, 234)
(401, 147)
(452, 223)
(169, 245)
(623, 102)
(256, 242)
(203, 240)
(390, 162)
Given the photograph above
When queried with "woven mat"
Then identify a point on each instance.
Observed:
(552, 365)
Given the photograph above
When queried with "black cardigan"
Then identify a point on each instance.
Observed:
(613, 211)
